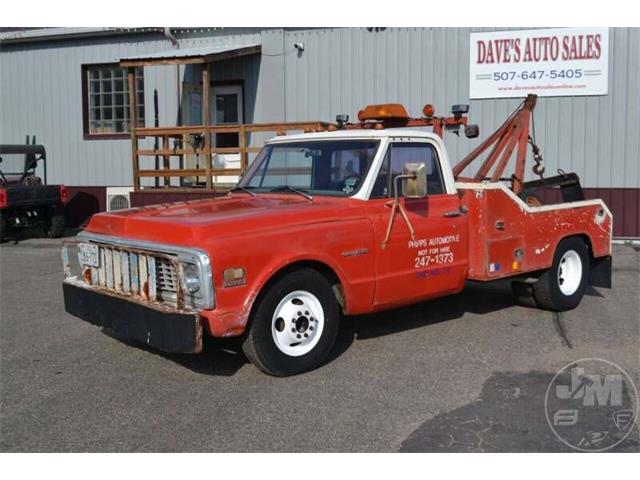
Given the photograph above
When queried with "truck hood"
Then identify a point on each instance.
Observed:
(184, 223)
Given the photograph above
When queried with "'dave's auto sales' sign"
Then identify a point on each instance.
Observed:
(548, 62)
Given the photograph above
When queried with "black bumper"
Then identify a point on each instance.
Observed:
(165, 330)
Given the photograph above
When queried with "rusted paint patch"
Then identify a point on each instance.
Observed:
(198, 339)
(151, 268)
(143, 276)
(87, 275)
(101, 271)
(233, 323)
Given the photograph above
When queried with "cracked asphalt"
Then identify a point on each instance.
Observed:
(463, 373)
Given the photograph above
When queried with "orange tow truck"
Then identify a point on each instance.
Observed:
(361, 217)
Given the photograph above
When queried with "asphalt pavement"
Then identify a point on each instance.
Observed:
(463, 373)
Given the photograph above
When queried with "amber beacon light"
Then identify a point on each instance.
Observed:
(383, 112)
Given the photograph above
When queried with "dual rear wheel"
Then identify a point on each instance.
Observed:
(562, 286)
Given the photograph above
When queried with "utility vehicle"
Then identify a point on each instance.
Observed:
(25, 199)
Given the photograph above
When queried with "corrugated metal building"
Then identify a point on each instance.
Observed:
(47, 77)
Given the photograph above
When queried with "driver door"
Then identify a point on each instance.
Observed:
(433, 263)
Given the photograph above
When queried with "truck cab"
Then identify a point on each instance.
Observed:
(321, 225)
(361, 168)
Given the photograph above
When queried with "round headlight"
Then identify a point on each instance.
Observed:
(191, 277)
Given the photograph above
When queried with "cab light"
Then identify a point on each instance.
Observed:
(428, 110)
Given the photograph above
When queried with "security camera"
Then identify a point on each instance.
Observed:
(299, 46)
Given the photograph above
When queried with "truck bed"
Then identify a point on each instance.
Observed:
(510, 238)
(32, 196)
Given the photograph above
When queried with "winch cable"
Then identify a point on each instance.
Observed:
(538, 161)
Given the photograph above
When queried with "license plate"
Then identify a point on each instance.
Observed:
(89, 255)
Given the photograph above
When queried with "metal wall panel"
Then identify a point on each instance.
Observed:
(343, 69)
(40, 94)
(339, 71)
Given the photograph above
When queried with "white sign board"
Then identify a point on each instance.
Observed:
(550, 62)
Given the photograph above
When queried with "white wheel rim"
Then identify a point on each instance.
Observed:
(569, 272)
(297, 323)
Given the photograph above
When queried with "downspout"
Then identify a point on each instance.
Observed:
(172, 38)
(174, 43)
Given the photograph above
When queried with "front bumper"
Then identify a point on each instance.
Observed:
(166, 330)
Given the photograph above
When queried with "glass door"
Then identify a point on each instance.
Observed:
(226, 108)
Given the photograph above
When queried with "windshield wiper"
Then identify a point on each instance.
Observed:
(293, 189)
(243, 189)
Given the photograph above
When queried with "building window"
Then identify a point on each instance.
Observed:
(105, 91)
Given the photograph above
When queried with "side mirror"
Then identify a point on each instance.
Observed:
(472, 131)
(415, 180)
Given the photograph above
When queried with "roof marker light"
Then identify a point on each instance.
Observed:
(428, 110)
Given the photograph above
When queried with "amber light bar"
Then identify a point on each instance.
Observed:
(383, 111)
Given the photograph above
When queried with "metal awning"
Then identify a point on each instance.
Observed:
(207, 54)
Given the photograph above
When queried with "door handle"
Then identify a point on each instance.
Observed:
(453, 213)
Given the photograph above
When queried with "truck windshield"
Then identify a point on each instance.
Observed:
(324, 167)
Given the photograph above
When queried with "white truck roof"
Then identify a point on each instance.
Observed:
(359, 133)
(382, 134)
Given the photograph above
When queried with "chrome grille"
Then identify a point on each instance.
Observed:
(140, 269)
(149, 275)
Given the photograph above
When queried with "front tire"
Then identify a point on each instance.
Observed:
(562, 286)
(294, 325)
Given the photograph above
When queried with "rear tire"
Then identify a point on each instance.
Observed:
(562, 286)
(4, 227)
(294, 325)
(55, 225)
(523, 293)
